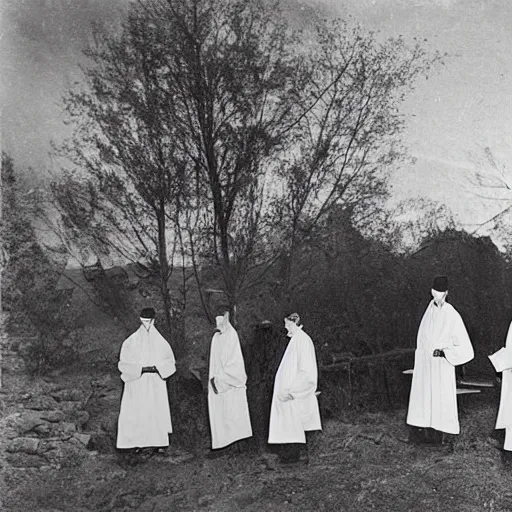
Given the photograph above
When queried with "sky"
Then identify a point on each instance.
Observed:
(457, 116)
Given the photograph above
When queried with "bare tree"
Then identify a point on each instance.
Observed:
(123, 197)
(348, 139)
(216, 117)
(233, 74)
(492, 183)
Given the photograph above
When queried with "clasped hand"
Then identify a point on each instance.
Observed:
(438, 353)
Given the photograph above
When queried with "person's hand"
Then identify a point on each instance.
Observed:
(212, 382)
(438, 353)
(285, 397)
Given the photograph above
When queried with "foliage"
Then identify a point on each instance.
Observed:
(358, 297)
(35, 307)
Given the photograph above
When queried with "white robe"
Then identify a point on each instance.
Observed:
(228, 410)
(145, 416)
(502, 361)
(297, 375)
(433, 398)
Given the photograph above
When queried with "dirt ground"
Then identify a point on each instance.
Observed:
(57, 438)
(360, 463)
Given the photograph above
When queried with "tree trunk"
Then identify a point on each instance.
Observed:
(164, 267)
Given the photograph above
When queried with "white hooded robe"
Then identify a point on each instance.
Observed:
(433, 398)
(502, 361)
(297, 375)
(145, 416)
(228, 409)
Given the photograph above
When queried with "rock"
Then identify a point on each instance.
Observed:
(69, 395)
(27, 445)
(43, 429)
(10, 434)
(11, 420)
(41, 403)
(45, 446)
(79, 417)
(83, 438)
(59, 450)
(67, 427)
(23, 460)
(28, 421)
(53, 416)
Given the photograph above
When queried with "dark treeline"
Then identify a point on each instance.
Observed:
(360, 298)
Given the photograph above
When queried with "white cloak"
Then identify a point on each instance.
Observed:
(297, 375)
(228, 410)
(504, 364)
(433, 398)
(145, 416)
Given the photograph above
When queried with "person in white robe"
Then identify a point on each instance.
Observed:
(145, 361)
(294, 409)
(442, 344)
(502, 361)
(227, 394)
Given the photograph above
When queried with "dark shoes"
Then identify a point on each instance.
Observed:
(293, 453)
(303, 459)
(135, 456)
(428, 436)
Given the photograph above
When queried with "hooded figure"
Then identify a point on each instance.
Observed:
(227, 396)
(502, 361)
(294, 407)
(146, 360)
(442, 344)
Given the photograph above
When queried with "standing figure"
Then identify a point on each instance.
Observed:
(146, 360)
(442, 344)
(294, 407)
(227, 397)
(502, 361)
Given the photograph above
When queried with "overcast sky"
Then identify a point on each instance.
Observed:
(462, 109)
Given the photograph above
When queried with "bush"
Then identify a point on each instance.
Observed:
(35, 307)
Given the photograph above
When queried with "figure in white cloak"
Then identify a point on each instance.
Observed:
(442, 344)
(227, 394)
(146, 360)
(502, 361)
(294, 409)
